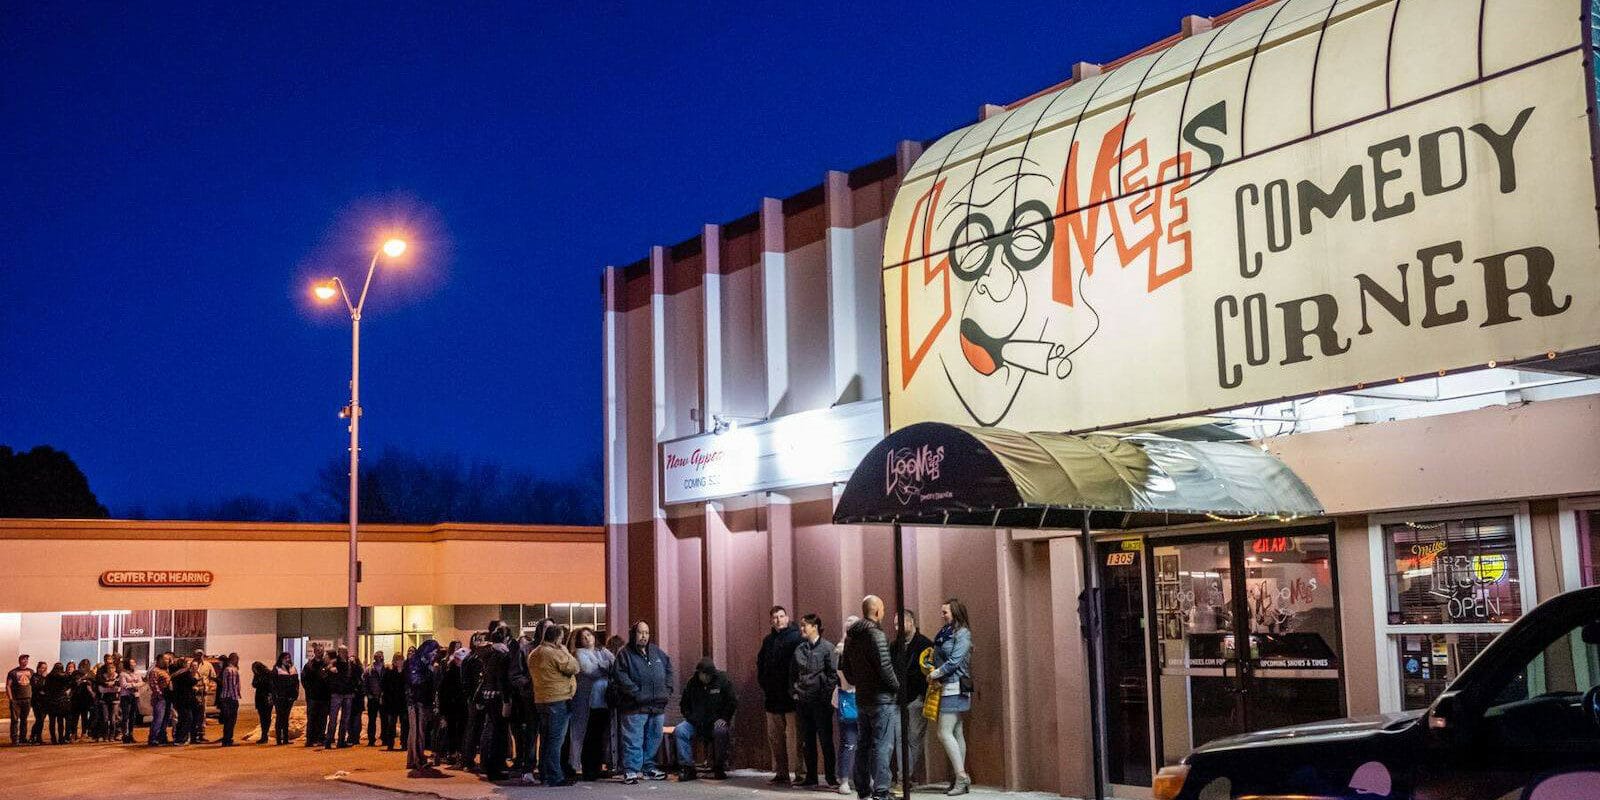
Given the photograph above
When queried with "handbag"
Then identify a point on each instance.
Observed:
(930, 699)
(847, 706)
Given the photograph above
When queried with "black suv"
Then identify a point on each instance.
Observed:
(1521, 722)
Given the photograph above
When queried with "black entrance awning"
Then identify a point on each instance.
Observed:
(937, 474)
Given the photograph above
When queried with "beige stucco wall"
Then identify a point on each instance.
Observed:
(55, 565)
(1545, 449)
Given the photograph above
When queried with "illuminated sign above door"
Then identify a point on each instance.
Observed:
(810, 448)
(155, 578)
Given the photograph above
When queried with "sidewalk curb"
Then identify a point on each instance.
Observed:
(374, 784)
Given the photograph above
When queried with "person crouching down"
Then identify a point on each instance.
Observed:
(708, 705)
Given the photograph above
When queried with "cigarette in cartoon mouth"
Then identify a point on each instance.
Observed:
(986, 353)
(1040, 357)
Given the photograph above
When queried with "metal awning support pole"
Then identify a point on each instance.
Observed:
(900, 640)
(1089, 612)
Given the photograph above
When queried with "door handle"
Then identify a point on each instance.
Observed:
(1240, 671)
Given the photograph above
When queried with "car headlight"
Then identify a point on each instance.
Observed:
(1169, 782)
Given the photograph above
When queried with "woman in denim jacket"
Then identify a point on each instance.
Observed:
(952, 649)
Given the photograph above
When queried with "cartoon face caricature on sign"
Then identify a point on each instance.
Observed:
(1012, 272)
(1236, 219)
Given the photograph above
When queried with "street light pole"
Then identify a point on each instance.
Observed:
(327, 291)
(353, 607)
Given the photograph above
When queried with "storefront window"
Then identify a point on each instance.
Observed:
(1452, 586)
(137, 633)
(525, 617)
(395, 629)
(1454, 572)
(1589, 545)
(1429, 661)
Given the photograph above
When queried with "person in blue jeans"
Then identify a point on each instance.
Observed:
(867, 665)
(642, 680)
(849, 718)
(552, 678)
(160, 682)
(708, 705)
(128, 682)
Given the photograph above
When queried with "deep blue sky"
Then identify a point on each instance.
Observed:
(173, 175)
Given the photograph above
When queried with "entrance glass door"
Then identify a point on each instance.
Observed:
(1123, 643)
(1247, 635)
(1291, 674)
(139, 651)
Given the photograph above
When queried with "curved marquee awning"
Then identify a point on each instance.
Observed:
(932, 473)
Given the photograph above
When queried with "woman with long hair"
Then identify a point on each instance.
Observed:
(105, 698)
(285, 690)
(844, 700)
(185, 699)
(952, 651)
(128, 683)
(261, 684)
(591, 717)
(80, 711)
(41, 704)
(58, 699)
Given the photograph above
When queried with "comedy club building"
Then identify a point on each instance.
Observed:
(78, 589)
(1356, 239)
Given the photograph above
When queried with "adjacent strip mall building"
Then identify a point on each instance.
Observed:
(78, 589)
(746, 375)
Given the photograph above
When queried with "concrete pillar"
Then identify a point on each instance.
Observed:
(853, 568)
(616, 449)
(925, 587)
(664, 566)
(780, 547)
(1358, 639)
(774, 303)
(658, 347)
(1071, 669)
(666, 585)
(1544, 520)
(1013, 692)
(1193, 24)
(845, 294)
(711, 319)
(717, 585)
(906, 153)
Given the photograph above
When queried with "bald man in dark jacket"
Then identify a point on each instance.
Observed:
(868, 666)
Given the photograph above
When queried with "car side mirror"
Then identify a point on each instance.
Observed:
(1591, 634)
(1449, 720)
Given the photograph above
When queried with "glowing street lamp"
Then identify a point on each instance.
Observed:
(326, 291)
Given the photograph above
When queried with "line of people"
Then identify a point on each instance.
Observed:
(541, 702)
(554, 706)
(811, 686)
(72, 702)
